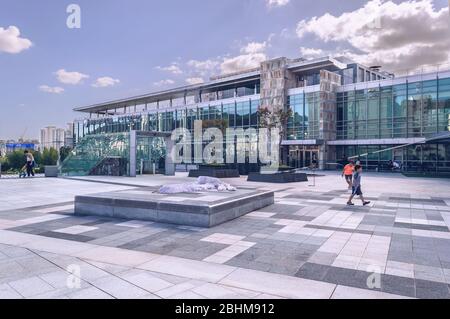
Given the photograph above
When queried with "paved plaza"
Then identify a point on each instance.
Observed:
(309, 244)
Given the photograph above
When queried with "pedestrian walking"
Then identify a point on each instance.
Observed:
(348, 173)
(30, 163)
(356, 187)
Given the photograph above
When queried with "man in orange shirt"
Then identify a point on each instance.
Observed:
(348, 173)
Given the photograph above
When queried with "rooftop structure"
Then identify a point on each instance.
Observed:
(247, 82)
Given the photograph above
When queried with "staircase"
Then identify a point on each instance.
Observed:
(93, 151)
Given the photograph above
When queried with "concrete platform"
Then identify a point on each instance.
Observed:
(278, 177)
(215, 172)
(201, 209)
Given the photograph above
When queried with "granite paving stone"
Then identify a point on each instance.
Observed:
(308, 234)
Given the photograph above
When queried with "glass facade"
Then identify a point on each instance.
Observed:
(242, 114)
(413, 109)
(304, 123)
(414, 158)
(410, 110)
(234, 115)
(150, 154)
(238, 114)
(95, 148)
(418, 109)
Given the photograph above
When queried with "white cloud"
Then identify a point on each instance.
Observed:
(242, 62)
(396, 36)
(105, 82)
(252, 55)
(254, 47)
(11, 42)
(277, 3)
(73, 78)
(164, 82)
(311, 53)
(51, 89)
(173, 68)
(192, 81)
(203, 67)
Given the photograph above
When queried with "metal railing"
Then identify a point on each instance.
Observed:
(423, 69)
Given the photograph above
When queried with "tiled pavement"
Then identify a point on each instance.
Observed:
(16, 176)
(309, 244)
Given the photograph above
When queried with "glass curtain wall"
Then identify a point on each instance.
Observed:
(234, 115)
(410, 110)
(414, 158)
(304, 122)
(419, 109)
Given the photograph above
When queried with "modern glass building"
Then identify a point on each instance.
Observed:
(340, 109)
(392, 112)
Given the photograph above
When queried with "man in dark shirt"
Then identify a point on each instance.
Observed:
(356, 188)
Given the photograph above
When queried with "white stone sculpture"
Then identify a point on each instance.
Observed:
(203, 184)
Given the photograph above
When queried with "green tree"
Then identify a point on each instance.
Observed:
(16, 159)
(37, 157)
(4, 164)
(49, 156)
(64, 153)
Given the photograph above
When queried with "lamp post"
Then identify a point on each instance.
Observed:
(313, 167)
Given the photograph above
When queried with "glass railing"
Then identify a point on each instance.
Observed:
(92, 150)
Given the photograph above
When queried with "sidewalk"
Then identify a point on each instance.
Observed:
(309, 244)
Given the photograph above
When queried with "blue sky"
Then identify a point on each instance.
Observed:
(138, 46)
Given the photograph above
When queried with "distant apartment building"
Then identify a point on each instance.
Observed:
(52, 137)
(68, 137)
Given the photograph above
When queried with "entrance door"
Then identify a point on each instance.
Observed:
(308, 159)
(150, 155)
(296, 157)
(397, 156)
(303, 157)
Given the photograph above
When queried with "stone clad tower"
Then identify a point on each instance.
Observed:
(276, 80)
(329, 82)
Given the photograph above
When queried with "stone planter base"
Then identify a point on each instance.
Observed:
(214, 172)
(278, 177)
(51, 171)
(193, 209)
